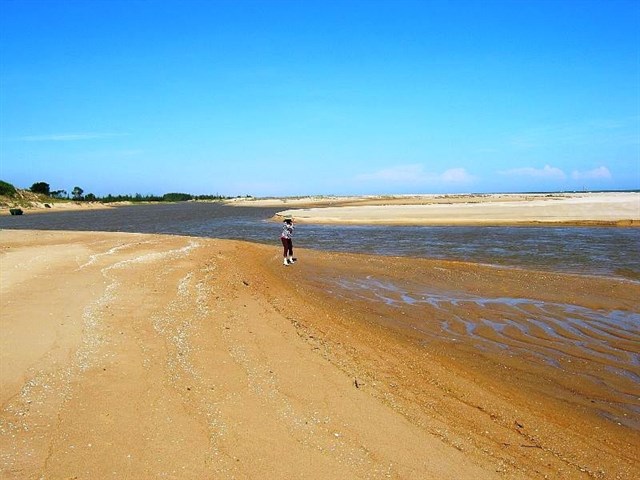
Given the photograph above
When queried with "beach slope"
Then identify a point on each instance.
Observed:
(148, 356)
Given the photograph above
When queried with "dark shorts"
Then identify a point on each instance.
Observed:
(287, 243)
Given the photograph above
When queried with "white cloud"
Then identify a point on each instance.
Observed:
(547, 171)
(400, 173)
(599, 173)
(456, 175)
(415, 174)
(68, 137)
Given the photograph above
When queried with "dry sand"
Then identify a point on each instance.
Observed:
(146, 356)
(573, 209)
(41, 207)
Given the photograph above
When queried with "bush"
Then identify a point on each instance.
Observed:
(41, 187)
(176, 197)
(7, 189)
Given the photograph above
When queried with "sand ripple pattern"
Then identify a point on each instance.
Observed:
(552, 334)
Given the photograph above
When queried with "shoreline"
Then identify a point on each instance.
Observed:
(607, 209)
(299, 218)
(214, 353)
(54, 207)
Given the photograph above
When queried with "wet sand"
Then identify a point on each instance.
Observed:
(149, 356)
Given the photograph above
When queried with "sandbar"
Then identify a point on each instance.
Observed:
(608, 209)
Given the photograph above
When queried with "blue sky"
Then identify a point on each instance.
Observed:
(273, 98)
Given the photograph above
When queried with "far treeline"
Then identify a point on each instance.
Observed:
(78, 194)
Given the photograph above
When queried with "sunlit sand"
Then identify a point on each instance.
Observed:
(148, 356)
(496, 209)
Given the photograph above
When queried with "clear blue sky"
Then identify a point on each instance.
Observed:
(320, 97)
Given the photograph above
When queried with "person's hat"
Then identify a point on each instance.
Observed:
(288, 219)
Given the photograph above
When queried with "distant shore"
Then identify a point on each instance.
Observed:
(546, 209)
(62, 206)
(589, 209)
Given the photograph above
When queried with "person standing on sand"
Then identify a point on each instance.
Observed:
(287, 242)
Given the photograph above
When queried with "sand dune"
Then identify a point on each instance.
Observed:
(148, 356)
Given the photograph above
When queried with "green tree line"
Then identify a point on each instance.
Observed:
(77, 194)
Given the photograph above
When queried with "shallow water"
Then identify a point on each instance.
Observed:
(600, 251)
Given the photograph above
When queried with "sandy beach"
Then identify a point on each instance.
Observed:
(52, 207)
(149, 356)
(612, 209)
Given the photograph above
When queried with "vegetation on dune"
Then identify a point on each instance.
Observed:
(40, 194)
(177, 197)
(7, 189)
(41, 187)
(13, 197)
